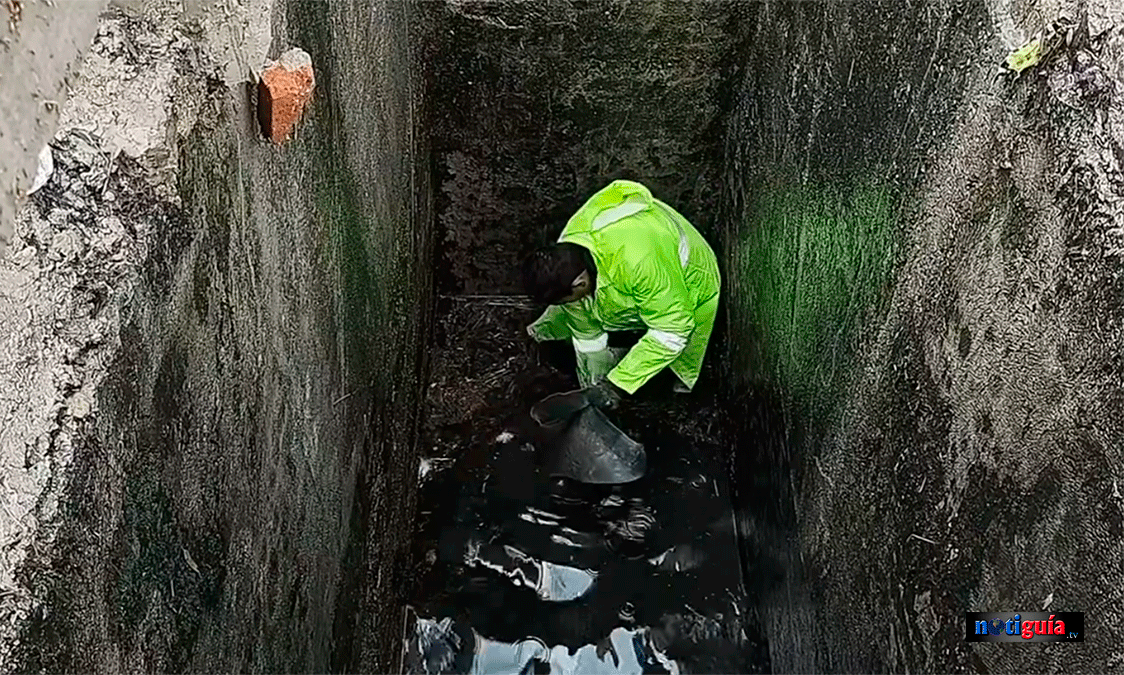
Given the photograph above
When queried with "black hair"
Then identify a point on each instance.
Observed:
(549, 273)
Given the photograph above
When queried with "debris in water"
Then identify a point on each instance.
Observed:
(623, 652)
(1049, 601)
(636, 526)
(627, 613)
(284, 91)
(680, 558)
(561, 583)
(436, 647)
(574, 539)
(428, 465)
(540, 517)
(612, 501)
(504, 437)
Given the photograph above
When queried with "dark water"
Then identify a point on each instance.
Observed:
(663, 550)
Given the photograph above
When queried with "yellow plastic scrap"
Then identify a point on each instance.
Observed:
(1026, 56)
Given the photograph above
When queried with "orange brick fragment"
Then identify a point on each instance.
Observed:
(284, 91)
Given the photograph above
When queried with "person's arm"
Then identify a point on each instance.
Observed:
(664, 303)
(591, 345)
(553, 324)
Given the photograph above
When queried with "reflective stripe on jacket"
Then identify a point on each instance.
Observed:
(653, 270)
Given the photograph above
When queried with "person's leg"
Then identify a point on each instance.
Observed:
(689, 363)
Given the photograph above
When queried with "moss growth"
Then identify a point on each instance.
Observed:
(815, 263)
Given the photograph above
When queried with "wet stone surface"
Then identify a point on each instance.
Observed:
(510, 553)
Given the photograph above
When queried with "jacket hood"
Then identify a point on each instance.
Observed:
(620, 199)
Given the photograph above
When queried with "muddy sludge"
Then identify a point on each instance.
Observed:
(662, 550)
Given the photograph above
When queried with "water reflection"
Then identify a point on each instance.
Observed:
(540, 574)
(446, 647)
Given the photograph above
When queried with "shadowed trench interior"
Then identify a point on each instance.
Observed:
(533, 108)
(803, 174)
(866, 179)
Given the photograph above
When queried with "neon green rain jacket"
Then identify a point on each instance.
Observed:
(654, 271)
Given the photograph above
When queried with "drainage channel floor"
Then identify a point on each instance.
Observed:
(521, 572)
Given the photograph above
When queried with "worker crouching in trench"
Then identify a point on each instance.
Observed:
(626, 261)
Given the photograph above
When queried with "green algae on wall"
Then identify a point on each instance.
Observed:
(814, 264)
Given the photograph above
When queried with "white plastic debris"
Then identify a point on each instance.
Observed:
(428, 465)
(562, 583)
(46, 168)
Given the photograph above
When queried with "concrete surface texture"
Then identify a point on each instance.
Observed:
(590, 92)
(205, 328)
(971, 458)
(41, 45)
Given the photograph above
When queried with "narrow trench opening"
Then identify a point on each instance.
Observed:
(683, 558)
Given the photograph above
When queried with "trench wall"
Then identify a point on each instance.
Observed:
(541, 104)
(212, 384)
(923, 257)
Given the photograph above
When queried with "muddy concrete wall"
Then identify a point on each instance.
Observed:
(543, 103)
(954, 414)
(210, 382)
